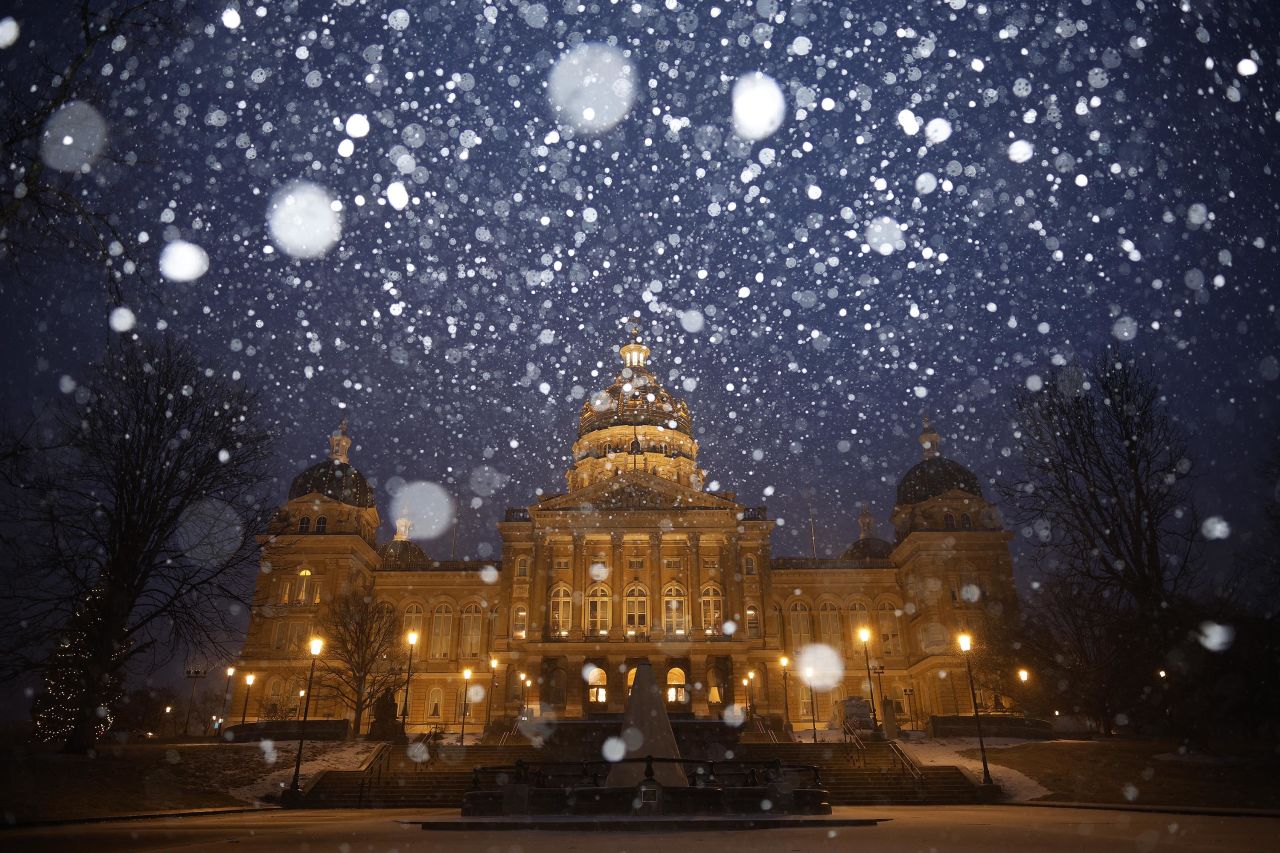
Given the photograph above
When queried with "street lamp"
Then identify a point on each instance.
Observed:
(864, 634)
(226, 698)
(493, 685)
(786, 702)
(528, 682)
(1023, 675)
(248, 687)
(466, 688)
(751, 690)
(813, 706)
(966, 643)
(404, 714)
(317, 646)
(745, 682)
(168, 714)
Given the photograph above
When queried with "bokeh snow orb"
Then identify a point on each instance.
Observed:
(121, 319)
(357, 125)
(8, 32)
(73, 138)
(592, 87)
(1215, 527)
(183, 261)
(734, 716)
(427, 505)
(1021, 150)
(398, 20)
(910, 124)
(230, 18)
(614, 749)
(820, 666)
(758, 106)
(884, 236)
(209, 533)
(926, 183)
(1124, 328)
(1246, 67)
(397, 195)
(937, 130)
(304, 220)
(1216, 637)
(598, 572)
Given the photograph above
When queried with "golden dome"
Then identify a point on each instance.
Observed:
(636, 398)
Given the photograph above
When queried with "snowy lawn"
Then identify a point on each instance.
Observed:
(1017, 786)
(38, 784)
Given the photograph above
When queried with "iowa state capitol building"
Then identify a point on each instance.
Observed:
(635, 561)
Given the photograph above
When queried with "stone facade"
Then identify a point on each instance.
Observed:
(636, 561)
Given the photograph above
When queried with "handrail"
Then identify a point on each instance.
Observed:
(852, 738)
(907, 762)
(374, 769)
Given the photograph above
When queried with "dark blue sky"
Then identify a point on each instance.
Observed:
(463, 330)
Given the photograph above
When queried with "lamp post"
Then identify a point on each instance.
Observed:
(466, 688)
(966, 643)
(168, 715)
(523, 684)
(878, 671)
(813, 706)
(248, 687)
(493, 685)
(751, 691)
(317, 645)
(864, 635)
(195, 674)
(226, 699)
(909, 692)
(412, 638)
(747, 710)
(786, 702)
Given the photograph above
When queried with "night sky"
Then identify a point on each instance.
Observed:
(1057, 177)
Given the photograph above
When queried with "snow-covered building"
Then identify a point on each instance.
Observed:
(636, 561)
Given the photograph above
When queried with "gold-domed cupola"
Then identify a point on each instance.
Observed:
(635, 424)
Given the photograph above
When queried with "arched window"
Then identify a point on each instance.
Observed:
(677, 690)
(749, 566)
(829, 625)
(322, 524)
(471, 625)
(286, 591)
(949, 521)
(597, 681)
(890, 642)
(636, 608)
(434, 700)
(522, 567)
(441, 631)
(519, 623)
(561, 611)
(304, 524)
(801, 625)
(413, 619)
(966, 522)
(674, 610)
(599, 609)
(712, 609)
(308, 591)
(631, 679)
(861, 618)
(753, 623)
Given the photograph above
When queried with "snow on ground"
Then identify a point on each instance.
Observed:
(942, 751)
(345, 756)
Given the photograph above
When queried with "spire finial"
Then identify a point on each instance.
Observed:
(403, 526)
(340, 442)
(930, 441)
(866, 522)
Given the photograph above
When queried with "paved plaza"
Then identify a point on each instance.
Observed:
(947, 829)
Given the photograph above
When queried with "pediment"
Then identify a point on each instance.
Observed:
(634, 490)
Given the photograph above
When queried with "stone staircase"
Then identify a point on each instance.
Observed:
(874, 774)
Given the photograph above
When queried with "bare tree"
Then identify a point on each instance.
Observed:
(363, 656)
(1104, 490)
(127, 529)
(58, 195)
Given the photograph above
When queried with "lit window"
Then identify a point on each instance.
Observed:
(801, 625)
(413, 619)
(753, 623)
(561, 613)
(522, 568)
(829, 625)
(674, 610)
(599, 605)
(441, 631)
(471, 625)
(520, 623)
(712, 609)
(636, 604)
(749, 566)
(677, 690)
(596, 683)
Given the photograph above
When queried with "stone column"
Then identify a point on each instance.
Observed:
(574, 687)
(619, 579)
(731, 571)
(694, 604)
(579, 581)
(539, 584)
(616, 689)
(655, 581)
(698, 686)
(617, 574)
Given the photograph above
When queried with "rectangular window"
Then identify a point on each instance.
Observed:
(286, 587)
(281, 635)
(296, 631)
(673, 565)
(636, 565)
(562, 562)
(713, 613)
(711, 563)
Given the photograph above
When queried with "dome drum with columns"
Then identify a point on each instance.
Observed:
(636, 561)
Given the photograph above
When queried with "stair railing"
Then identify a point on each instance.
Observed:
(374, 771)
(854, 742)
(906, 762)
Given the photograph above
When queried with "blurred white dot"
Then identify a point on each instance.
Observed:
(758, 106)
(427, 505)
(1246, 67)
(357, 125)
(1215, 637)
(614, 749)
(1021, 150)
(1215, 527)
(820, 666)
(121, 319)
(230, 18)
(183, 261)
